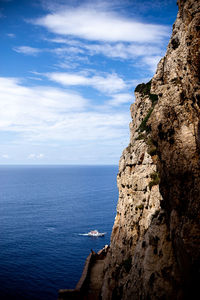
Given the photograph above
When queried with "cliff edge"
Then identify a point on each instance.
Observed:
(155, 241)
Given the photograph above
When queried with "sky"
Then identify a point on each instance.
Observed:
(68, 70)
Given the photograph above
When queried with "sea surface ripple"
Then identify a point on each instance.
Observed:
(43, 210)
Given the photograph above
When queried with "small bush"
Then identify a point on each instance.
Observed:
(143, 88)
(152, 150)
(151, 142)
(143, 126)
(141, 136)
(154, 175)
(155, 179)
(153, 98)
(152, 146)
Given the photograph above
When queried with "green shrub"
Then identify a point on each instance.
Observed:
(154, 175)
(155, 179)
(153, 98)
(152, 150)
(143, 88)
(152, 146)
(143, 126)
(150, 142)
(141, 136)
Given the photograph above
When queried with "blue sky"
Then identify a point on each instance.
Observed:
(68, 70)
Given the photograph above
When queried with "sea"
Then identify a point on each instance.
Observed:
(43, 212)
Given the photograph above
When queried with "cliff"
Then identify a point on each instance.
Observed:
(154, 251)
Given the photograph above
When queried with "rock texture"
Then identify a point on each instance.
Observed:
(155, 246)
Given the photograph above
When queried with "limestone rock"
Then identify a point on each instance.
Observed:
(155, 242)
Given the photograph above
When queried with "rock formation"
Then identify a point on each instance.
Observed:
(154, 251)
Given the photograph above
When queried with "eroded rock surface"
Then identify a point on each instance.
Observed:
(154, 251)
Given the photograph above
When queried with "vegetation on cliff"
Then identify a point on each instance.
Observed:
(155, 245)
(144, 89)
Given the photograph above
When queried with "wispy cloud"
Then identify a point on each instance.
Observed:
(36, 156)
(121, 50)
(78, 99)
(111, 50)
(101, 28)
(27, 109)
(72, 56)
(151, 61)
(6, 156)
(119, 99)
(11, 35)
(46, 114)
(27, 50)
(109, 84)
(101, 25)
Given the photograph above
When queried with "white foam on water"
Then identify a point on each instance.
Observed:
(50, 228)
(84, 234)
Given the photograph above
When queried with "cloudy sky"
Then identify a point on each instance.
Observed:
(68, 70)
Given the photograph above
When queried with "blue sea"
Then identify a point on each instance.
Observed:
(43, 209)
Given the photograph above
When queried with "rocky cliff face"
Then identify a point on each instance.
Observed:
(154, 251)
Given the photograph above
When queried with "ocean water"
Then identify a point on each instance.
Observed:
(43, 209)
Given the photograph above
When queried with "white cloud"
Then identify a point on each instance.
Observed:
(6, 156)
(72, 55)
(108, 84)
(97, 24)
(122, 50)
(45, 114)
(118, 50)
(119, 99)
(30, 156)
(11, 35)
(35, 156)
(65, 50)
(35, 106)
(151, 61)
(76, 51)
(35, 78)
(27, 50)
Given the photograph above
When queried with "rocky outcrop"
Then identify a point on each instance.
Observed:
(89, 285)
(155, 246)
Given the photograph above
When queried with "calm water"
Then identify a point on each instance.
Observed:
(42, 212)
